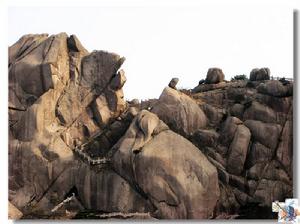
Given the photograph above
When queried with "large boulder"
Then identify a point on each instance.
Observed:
(260, 74)
(265, 133)
(173, 83)
(278, 104)
(180, 112)
(214, 75)
(214, 114)
(260, 112)
(228, 130)
(103, 191)
(206, 137)
(179, 183)
(275, 88)
(238, 150)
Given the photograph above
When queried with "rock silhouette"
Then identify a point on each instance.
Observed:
(203, 153)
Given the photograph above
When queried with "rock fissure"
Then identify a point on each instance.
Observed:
(197, 154)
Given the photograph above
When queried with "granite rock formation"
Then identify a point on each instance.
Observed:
(76, 144)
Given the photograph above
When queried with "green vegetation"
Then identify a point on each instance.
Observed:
(239, 77)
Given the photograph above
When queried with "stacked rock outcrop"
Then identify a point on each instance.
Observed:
(206, 154)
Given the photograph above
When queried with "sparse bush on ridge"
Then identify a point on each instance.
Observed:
(239, 77)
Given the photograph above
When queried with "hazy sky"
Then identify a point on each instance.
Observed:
(164, 42)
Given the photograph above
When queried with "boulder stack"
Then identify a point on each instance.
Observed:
(214, 75)
(260, 74)
(208, 153)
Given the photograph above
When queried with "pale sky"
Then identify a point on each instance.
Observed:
(164, 42)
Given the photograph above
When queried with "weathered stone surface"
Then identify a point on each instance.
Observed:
(13, 212)
(227, 203)
(238, 182)
(204, 88)
(72, 132)
(259, 153)
(207, 87)
(205, 137)
(173, 83)
(237, 110)
(256, 171)
(274, 88)
(284, 151)
(119, 80)
(222, 173)
(179, 112)
(98, 68)
(201, 81)
(39, 65)
(81, 130)
(98, 77)
(265, 133)
(240, 95)
(214, 75)
(39, 119)
(75, 45)
(269, 191)
(260, 74)
(107, 191)
(134, 102)
(274, 171)
(279, 104)
(238, 150)
(241, 197)
(101, 110)
(260, 112)
(211, 152)
(176, 191)
(214, 115)
(252, 185)
(25, 44)
(35, 167)
(228, 130)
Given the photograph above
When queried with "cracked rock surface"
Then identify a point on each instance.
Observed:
(210, 152)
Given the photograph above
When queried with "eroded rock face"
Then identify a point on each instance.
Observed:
(205, 153)
(67, 97)
(247, 170)
(179, 112)
(38, 63)
(176, 191)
